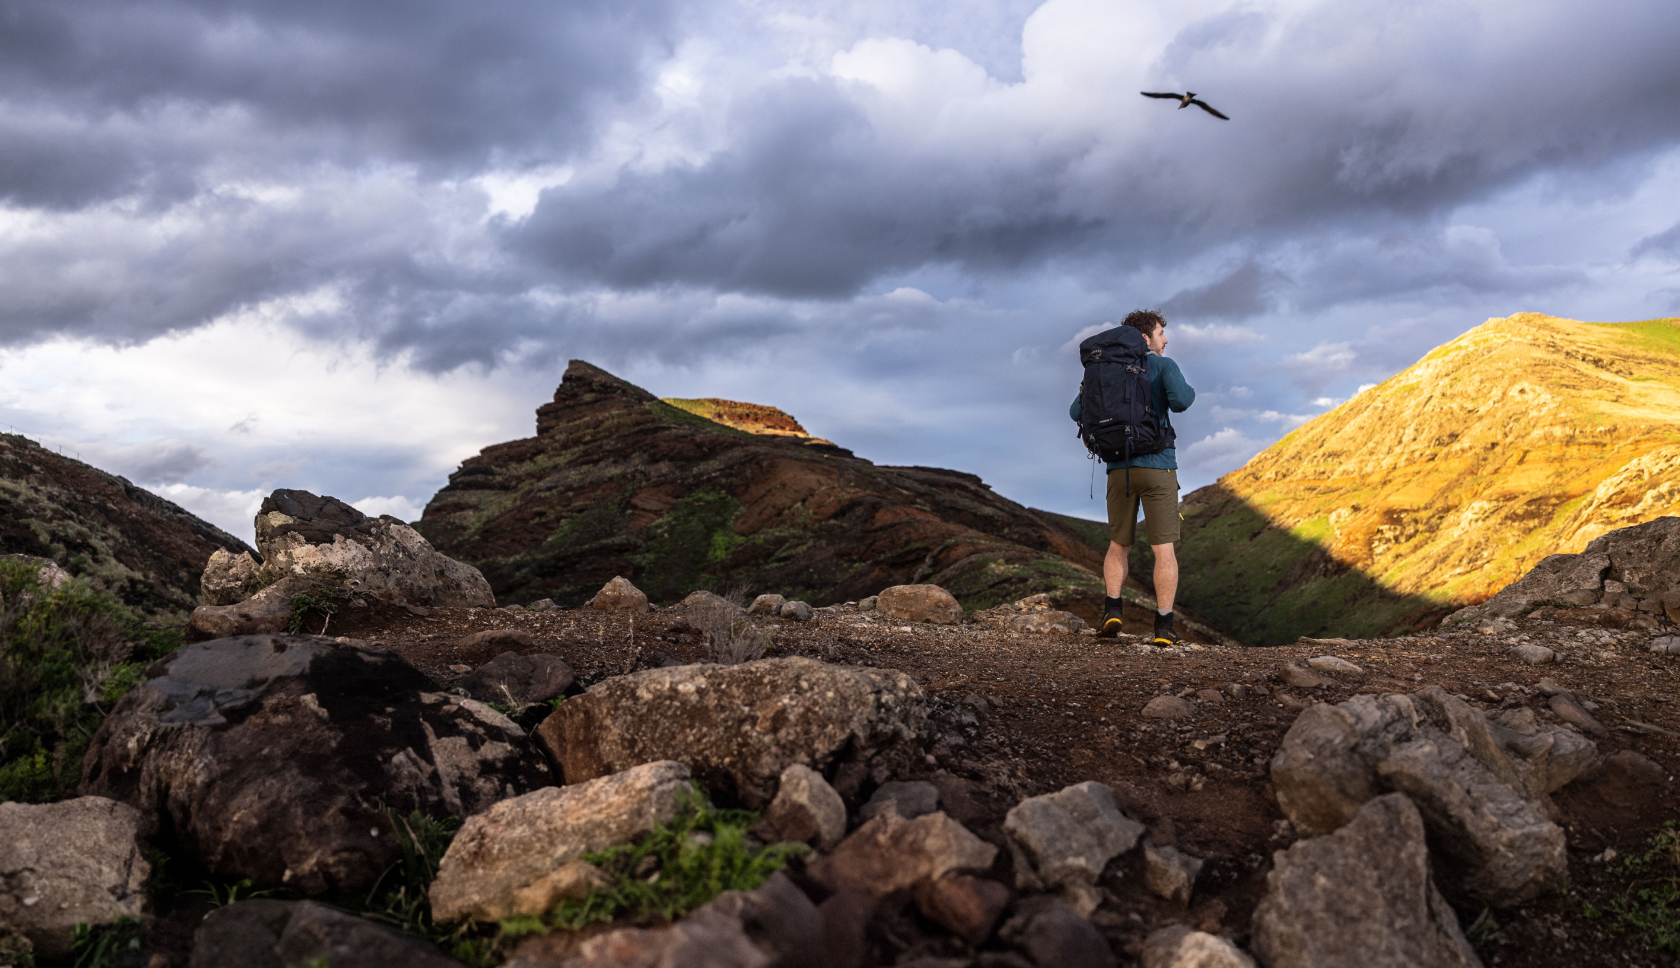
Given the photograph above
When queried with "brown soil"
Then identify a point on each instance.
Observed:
(1017, 715)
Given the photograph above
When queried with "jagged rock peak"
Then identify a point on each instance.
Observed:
(583, 378)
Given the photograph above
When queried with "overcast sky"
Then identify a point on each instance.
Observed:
(341, 247)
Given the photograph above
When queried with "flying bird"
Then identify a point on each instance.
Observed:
(1187, 99)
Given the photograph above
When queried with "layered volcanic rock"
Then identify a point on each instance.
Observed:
(1435, 489)
(142, 548)
(619, 482)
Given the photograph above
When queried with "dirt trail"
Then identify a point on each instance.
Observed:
(1022, 714)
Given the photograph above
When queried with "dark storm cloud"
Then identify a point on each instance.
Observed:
(1240, 294)
(1661, 244)
(440, 84)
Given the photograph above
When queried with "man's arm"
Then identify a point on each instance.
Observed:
(1179, 394)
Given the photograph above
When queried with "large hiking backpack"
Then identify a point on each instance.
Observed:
(1115, 418)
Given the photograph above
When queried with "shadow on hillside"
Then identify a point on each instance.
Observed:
(1267, 586)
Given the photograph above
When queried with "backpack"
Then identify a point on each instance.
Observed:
(1115, 418)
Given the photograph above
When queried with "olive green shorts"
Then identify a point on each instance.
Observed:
(1157, 491)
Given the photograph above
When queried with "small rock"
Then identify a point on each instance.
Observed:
(1169, 873)
(619, 595)
(890, 853)
(1665, 643)
(571, 881)
(807, 809)
(1291, 674)
(68, 863)
(1181, 947)
(520, 679)
(264, 932)
(1052, 621)
(775, 926)
(964, 905)
(229, 578)
(767, 605)
(1363, 895)
(706, 599)
(1331, 663)
(541, 605)
(517, 842)
(797, 611)
(910, 799)
(1550, 687)
(1210, 695)
(1068, 837)
(506, 638)
(868, 604)
(1050, 932)
(919, 603)
(1169, 707)
(1534, 654)
(1570, 710)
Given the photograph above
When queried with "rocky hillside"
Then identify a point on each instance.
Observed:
(619, 482)
(146, 550)
(1525, 436)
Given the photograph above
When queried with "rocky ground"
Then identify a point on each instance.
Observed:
(1022, 714)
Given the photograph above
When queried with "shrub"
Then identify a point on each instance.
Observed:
(1650, 907)
(67, 655)
(731, 638)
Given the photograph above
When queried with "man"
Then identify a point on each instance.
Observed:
(1152, 481)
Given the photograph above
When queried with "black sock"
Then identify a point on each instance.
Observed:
(1109, 603)
(1163, 621)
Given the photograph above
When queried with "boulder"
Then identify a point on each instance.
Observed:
(1050, 933)
(1534, 654)
(868, 603)
(521, 679)
(966, 906)
(1066, 838)
(737, 727)
(1300, 677)
(619, 595)
(507, 638)
(275, 758)
(1169, 873)
(1181, 947)
(521, 840)
(767, 605)
(774, 926)
(1051, 621)
(330, 542)
(47, 572)
(706, 599)
(806, 809)
(229, 578)
(264, 933)
(1481, 787)
(1645, 558)
(265, 613)
(68, 863)
(1360, 896)
(797, 611)
(919, 603)
(890, 854)
(909, 799)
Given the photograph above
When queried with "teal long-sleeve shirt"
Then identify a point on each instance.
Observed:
(1167, 391)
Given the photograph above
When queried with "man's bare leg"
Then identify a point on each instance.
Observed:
(1114, 569)
(1166, 576)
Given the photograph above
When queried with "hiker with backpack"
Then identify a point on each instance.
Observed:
(1123, 415)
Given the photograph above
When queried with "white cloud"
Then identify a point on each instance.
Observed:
(232, 511)
(1226, 449)
(397, 506)
(1214, 335)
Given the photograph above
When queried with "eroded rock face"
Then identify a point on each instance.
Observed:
(509, 847)
(230, 578)
(1481, 787)
(737, 727)
(919, 603)
(1637, 567)
(274, 757)
(1578, 579)
(264, 933)
(1360, 896)
(330, 542)
(68, 863)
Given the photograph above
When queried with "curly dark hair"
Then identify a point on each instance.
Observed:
(1144, 320)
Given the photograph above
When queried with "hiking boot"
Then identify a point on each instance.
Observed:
(1111, 620)
(1164, 634)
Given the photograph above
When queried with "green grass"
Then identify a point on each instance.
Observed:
(1650, 905)
(1660, 335)
(67, 655)
(120, 944)
(676, 868)
(308, 607)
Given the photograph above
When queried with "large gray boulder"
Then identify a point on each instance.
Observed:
(1480, 787)
(264, 933)
(1360, 896)
(919, 603)
(1644, 561)
(737, 727)
(1066, 838)
(276, 757)
(494, 865)
(68, 863)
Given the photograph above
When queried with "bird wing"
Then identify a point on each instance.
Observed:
(1204, 106)
(1175, 97)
